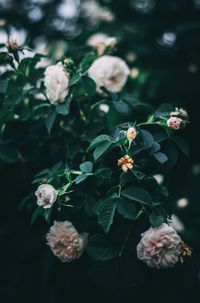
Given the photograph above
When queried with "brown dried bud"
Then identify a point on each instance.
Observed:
(12, 45)
(185, 251)
(126, 163)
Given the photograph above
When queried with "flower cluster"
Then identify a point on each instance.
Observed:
(178, 119)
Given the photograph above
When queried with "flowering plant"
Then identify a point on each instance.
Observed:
(104, 148)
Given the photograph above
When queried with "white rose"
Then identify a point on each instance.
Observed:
(96, 13)
(159, 247)
(46, 195)
(110, 72)
(57, 83)
(101, 42)
(65, 242)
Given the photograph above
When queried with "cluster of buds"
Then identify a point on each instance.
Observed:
(181, 113)
(131, 134)
(178, 119)
(126, 163)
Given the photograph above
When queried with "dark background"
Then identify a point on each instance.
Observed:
(169, 71)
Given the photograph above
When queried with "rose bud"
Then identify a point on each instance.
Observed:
(68, 62)
(65, 242)
(131, 133)
(159, 247)
(174, 123)
(46, 195)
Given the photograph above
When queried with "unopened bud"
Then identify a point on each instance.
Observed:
(131, 133)
(68, 62)
(174, 123)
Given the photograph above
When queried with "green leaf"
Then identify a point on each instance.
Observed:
(89, 85)
(172, 155)
(48, 214)
(160, 136)
(137, 194)
(182, 145)
(156, 221)
(121, 106)
(74, 80)
(87, 61)
(138, 174)
(97, 141)
(50, 120)
(3, 85)
(164, 110)
(127, 208)
(25, 200)
(38, 212)
(63, 108)
(162, 158)
(100, 248)
(80, 178)
(100, 149)
(104, 173)
(10, 154)
(106, 211)
(148, 139)
(86, 167)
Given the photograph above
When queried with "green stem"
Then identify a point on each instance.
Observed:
(124, 244)
(149, 123)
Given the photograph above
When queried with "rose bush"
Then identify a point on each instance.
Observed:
(104, 148)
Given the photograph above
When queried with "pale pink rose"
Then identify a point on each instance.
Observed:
(65, 242)
(174, 123)
(109, 72)
(102, 42)
(46, 195)
(159, 247)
